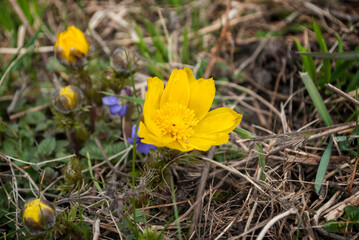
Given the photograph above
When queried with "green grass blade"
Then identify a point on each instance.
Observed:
(157, 40)
(262, 162)
(308, 63)
(80, 213)
(354, 83)
(244, 133)
(175, 210)
(5, 18)
(340, 49)
(316, 98)
(91, 173)
(25, 8)
(323, 46)
(323, 165)
(185, 49)
(353, 55)
(131, 99)
(142, 44)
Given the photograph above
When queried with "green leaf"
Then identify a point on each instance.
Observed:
(323, 165)
(344, 144)
(9, 147)
(331, 226)
(43, 125)
(351, 213)
(316, 98)
(61, 144)
(47, 146)
(35, 117)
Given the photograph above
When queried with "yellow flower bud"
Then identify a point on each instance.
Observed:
(37, 215)
(67, 99)
(73, 47)
(124, 61)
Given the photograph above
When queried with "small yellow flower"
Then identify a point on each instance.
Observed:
(67, 99)
(177, 117)
(36, 213)
(72, 47)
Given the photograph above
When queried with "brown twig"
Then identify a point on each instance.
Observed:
(200, 190)
(22, 17)
(353, 176)
(2, 156)
(341, 93)
(98, 143)
(34, 109)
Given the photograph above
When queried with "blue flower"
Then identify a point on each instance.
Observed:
(141, 147)
(115, 107)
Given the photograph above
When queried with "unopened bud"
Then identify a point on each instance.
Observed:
(38, 215)
(73, 47)
(124, 61)
(67, 99)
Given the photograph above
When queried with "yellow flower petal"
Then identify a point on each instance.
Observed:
(219, 121)
(179, 146)
(151, 134)
(177, 89)
(152, 97)
(204, 143)
(189, 72)
(202, 95)
(148, 136)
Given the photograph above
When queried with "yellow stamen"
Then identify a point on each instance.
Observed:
(176, 120)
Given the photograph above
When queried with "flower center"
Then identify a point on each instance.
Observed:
(176, 120)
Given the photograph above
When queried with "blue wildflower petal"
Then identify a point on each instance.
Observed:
(132, 138)
(143, 148)
(110, 100)
(123, 110)
(115, 109)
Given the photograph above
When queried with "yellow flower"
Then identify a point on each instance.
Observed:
(36, 213)
(177, 117)
(67, 99)
(72, 47)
